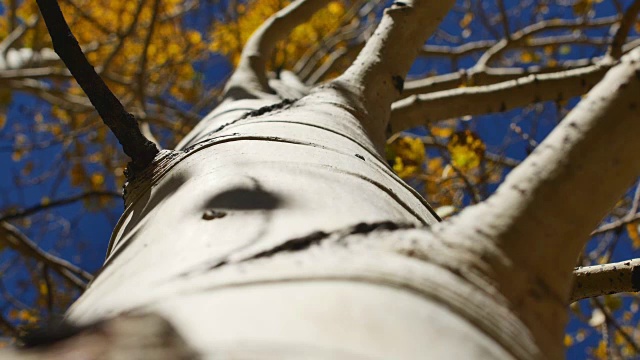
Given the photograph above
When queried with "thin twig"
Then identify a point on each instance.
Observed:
(12, 215)
(628, 19)
(23, 245)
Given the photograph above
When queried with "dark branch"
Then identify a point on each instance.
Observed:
(122, 124)
(16, 240)
(16, 214)
(628, 19)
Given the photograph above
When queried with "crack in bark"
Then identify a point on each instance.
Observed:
(315, 238)
(283, 105)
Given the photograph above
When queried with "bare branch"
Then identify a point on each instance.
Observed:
(142, 68)
(14, 238)
(15, 35)
(458, 51)
(418, 110)
(347, 31)
(504, 18)
(620, 38)
(17, 214)
(592, 281)
(522, 36)
(488, 76)
(329, 65)
(124, 125)
(482, 74)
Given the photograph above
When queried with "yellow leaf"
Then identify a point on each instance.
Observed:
(3, 120)
(548, 50)
(582, 6)
(44, 289)
(407, 155)
(441, 131)
(17, 155)
(601, 351)
(612, 302)
(97, 180)
(27, 169)
(568, 340)
(45, 201)
(466, 20)
(634, 235)
(13, 314)
(466, 150)
(526, 57)
(229, 38)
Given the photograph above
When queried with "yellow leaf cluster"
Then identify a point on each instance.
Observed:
(568, 340)
(407, 154)
(228, 38)
(443, 132)
(104, 23)
(466, 150)
(139, 43)
(601, 351)
(23, 316)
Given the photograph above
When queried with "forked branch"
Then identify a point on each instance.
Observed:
(377, 76)
(250, 78)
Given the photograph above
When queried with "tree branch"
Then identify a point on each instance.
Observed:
(249, 80)
(522, 36)
(482, 74)
(628, 19)
(529, 233)
(377, 76)
(417, 110)
(592, 281)
(122, 124)
(16, 214)
(489, 76)
(14, 238)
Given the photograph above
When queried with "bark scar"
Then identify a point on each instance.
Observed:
(398, 83)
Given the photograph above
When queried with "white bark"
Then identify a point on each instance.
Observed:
(592, 281)
(417, 110)
(250, 79)
(529, 233)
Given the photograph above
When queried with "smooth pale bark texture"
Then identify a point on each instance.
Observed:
(418, 110)
(529, 233)
(277, 229)
(592, 281)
